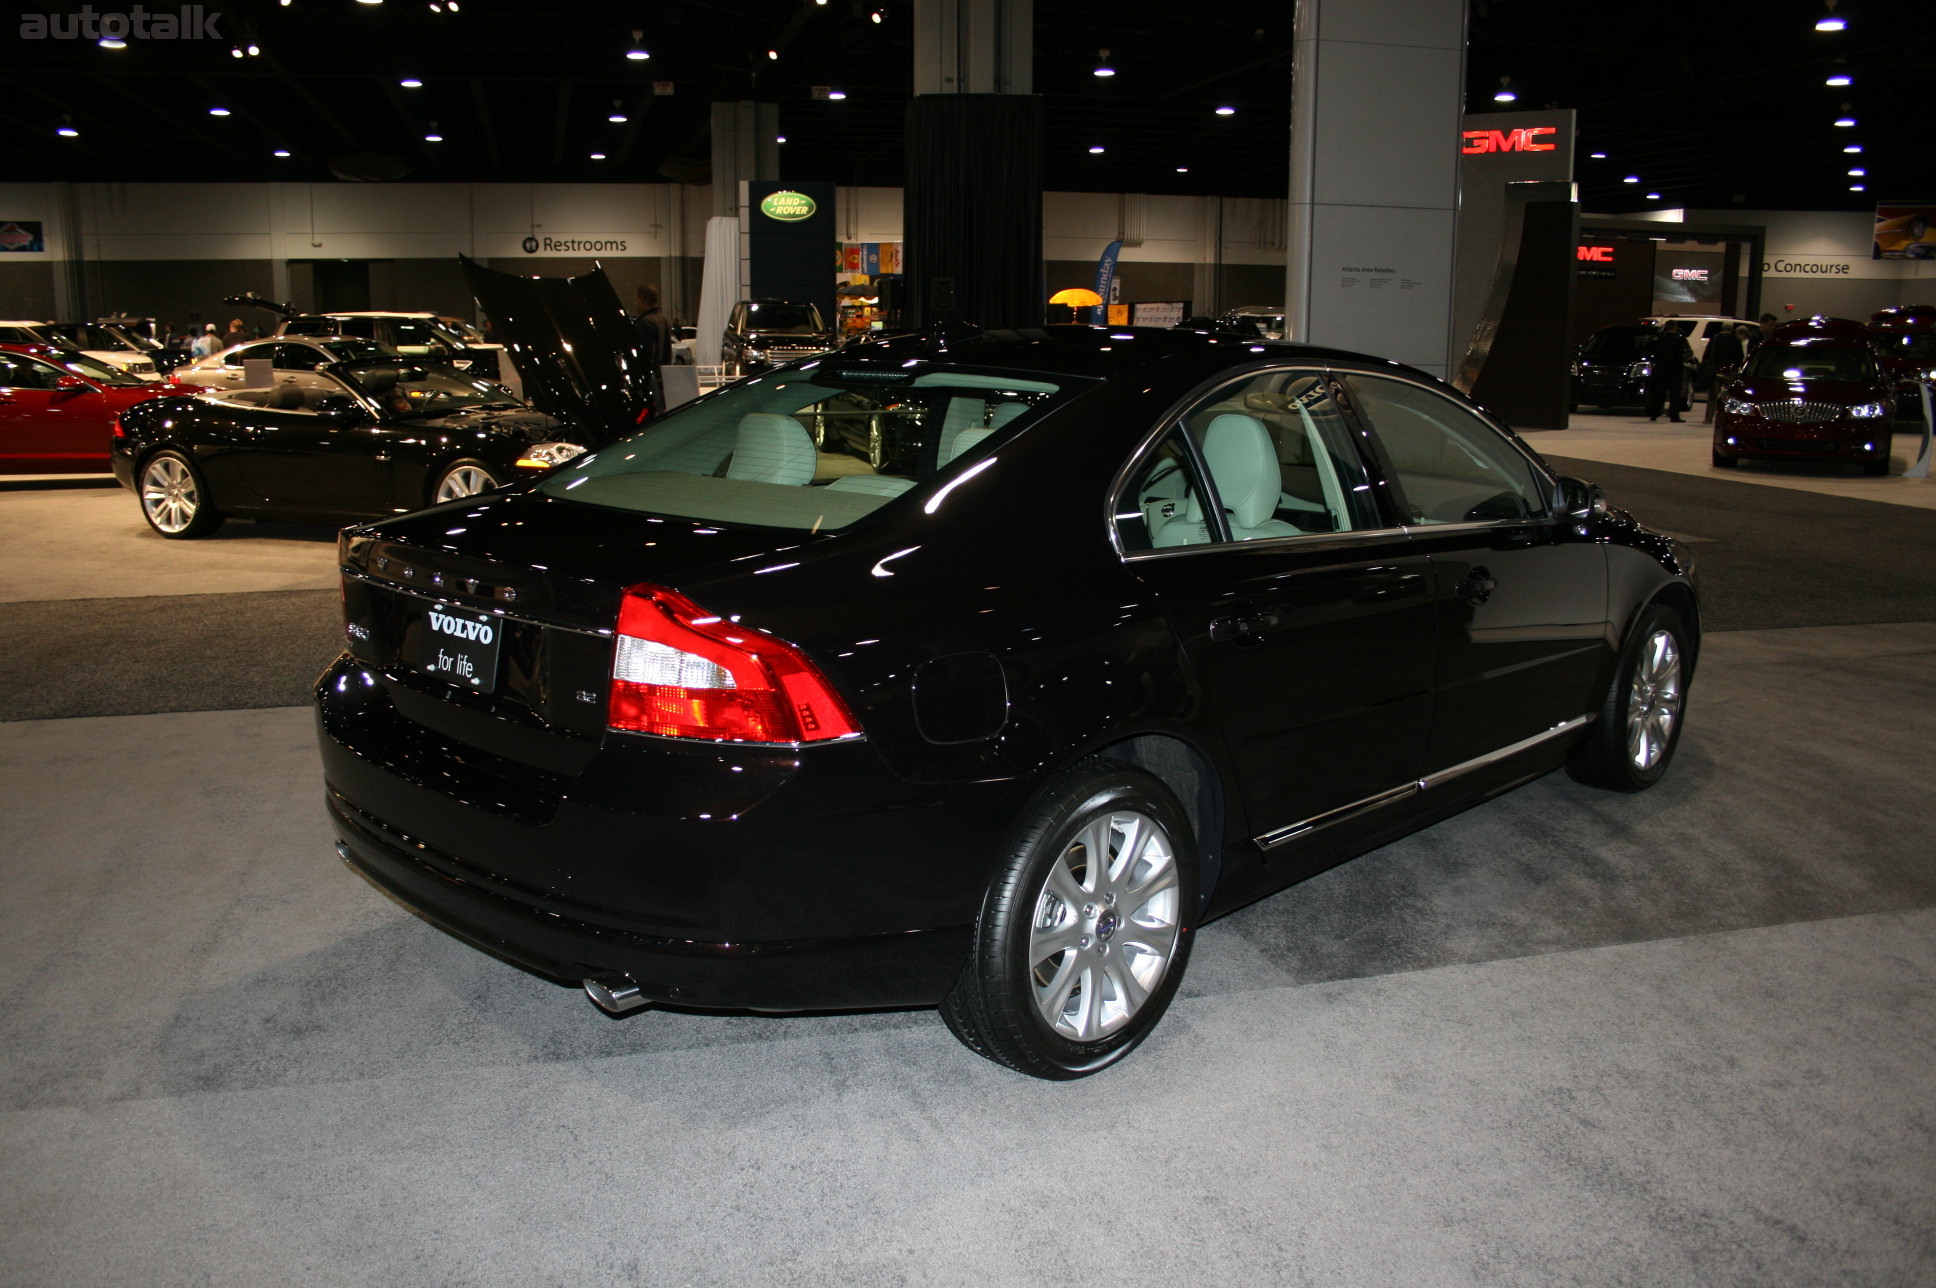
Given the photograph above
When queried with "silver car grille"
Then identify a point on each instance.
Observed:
(1797, 412)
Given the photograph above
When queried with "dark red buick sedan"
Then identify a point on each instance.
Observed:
(1814, 392)
(58, 408)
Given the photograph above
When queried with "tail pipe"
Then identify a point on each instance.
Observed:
(615, 994)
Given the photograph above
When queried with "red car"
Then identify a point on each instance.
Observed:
(1815, 391)
(58, 407)
(1906, 339)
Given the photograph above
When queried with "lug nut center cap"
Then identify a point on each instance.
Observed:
(1106, 926)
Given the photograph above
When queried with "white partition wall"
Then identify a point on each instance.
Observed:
(1377, 94)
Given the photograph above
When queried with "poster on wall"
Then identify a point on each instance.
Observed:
(22, 235)
(1905, 230)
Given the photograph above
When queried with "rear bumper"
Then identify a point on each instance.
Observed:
(912, 969)
(713, 875)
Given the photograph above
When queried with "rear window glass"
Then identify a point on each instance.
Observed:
(815, 448)
(1811, 362)
(1617, 343)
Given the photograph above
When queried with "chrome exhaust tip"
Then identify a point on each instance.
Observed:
(615, 994)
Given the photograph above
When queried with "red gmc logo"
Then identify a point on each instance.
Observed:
(1595, 254)
(1524, 139)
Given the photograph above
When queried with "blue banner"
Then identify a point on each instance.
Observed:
(1105, 278)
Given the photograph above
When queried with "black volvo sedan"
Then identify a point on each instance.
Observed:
(979, 670)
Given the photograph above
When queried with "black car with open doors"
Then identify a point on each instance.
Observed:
(978, 670)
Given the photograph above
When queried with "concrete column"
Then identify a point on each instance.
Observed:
(1377, 90)
(974, 46)
(745, 146)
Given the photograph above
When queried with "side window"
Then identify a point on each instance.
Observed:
(17, 371)
(293, 357)
(364, 328)
(1162, 506)
(15, 335)
(1280, 457)
(1450, 466)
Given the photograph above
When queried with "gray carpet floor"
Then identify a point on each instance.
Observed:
(1567, 1038)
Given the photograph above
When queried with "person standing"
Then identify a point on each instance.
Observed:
(237, 334)
(207, 344)
(655, 338)
(1667, 374)
(1725, 355)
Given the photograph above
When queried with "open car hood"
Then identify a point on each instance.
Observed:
(572, 343)
(254, 301)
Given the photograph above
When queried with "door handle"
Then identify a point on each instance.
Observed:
(1477, 587)
(1246, 630)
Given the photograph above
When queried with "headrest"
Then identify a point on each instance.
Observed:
(1243, 465)
(772, 448)
(285, 398)
(1267, 402)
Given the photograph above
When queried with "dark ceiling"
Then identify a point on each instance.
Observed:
(1709, 104)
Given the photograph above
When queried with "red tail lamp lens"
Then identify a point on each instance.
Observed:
(681, 672)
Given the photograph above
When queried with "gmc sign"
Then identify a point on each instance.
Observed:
(1524, 139)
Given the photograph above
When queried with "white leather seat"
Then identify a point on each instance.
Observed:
(873, 484)
(956, 440)
(1243, 469)
(771, 448)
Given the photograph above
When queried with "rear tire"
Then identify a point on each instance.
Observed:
(463, 478)
(174, 497)
(1639, 726)
(1086, 930)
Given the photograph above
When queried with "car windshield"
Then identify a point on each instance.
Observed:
(87, 335)
(1908, 346)
(1617, 344)
(356, 350)
(94, 369)
(815, 449)
(403, 390)
(1812, 362)
(784, 317)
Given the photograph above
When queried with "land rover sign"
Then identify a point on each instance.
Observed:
(788, 207)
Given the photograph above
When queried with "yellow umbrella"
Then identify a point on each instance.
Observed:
(1079, 296)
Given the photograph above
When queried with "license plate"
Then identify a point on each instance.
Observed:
(456, 644)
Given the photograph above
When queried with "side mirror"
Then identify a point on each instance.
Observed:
(72, 387)
(1580, 500)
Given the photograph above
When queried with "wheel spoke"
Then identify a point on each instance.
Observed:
(1044, 944)
(1085, 1020)
(1053, 997)
(1129, 989)
(1063, 885)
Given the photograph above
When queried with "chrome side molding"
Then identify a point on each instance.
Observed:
(1285, 835)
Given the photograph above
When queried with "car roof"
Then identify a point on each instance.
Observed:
(1824, 328)
(1094, 351)
(24, 322)
(373, 313)
(35, 350)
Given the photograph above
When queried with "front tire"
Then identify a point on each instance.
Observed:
(461, 479)
(1639, 726)
(1085, 932)
(1725, 462)
(174, 497)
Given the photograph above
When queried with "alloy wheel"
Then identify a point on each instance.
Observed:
(1105, 926)
(1654, 706)
(169, 495)
(465, 480)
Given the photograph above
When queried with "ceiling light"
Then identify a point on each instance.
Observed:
(433, 136)
(1096, 151)
(68, 132)
(877, 17)
(1226, 111)
(1105, 71)
(773, 54)
(112, 42)
(236, 52)
(282, 152)
(1102, 63)
(1853, 147)
(218, 111)
(1505, 92)
(618, 113)
(451, 5)
(1183, 169)
(598, 156)
(1856, 187)
(369, 1)
(1839, 79)
(836, 93)
(1845, 122)
(1653, 196)
(1632, 178)
(1858, 173)
(780, 139)
(637, 52)
(411, 82)
(1599, 156)
(1831, 22)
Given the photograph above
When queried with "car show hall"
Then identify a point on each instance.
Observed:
(999, 643)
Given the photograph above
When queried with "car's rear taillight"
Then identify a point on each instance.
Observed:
(681, 672)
